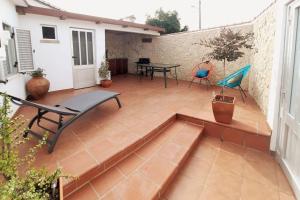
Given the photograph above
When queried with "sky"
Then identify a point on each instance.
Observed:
(214, 12)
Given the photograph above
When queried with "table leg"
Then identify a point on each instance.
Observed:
(165, 77)
(146, 71)
(176, 75)
(152, 73)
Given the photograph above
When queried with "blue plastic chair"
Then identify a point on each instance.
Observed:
(235, 80)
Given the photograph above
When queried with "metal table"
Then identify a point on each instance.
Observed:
(159, 67)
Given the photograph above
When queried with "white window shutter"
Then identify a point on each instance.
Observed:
(24, 50)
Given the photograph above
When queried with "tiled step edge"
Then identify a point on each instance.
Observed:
(180, 164)
(241, 136)
(84, 178)
(159, 171)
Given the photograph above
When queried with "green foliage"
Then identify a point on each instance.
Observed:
(10, 137)
(35, 184)
(104, 69)
(39, 72)
(167, 20)
(228, 44)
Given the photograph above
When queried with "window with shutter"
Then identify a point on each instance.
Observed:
(24, 50)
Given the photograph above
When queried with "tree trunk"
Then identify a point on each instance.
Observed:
(224, 75)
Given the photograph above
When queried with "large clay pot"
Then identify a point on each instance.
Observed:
(106, 83)
(37, 87)
(223, 108)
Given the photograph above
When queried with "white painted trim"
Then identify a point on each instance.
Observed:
(17, 49)
(280, 66)
(94, 65)
(289, 119)
(55, 32)
(277, 69)
(291, 178)
(93, 41)
(111, 27)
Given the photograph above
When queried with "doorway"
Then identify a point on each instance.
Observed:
(83, 48)
(288, 143)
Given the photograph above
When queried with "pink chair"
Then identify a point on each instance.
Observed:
(206, 65)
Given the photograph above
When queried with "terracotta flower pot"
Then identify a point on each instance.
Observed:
(106, 83)
(37, 87)
(223, 108)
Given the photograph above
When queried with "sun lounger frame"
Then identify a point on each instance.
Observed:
(61, 110)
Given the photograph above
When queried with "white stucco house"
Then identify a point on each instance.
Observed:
(68, 46)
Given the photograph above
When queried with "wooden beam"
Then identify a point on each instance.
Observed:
(20, 10)
(69, 15)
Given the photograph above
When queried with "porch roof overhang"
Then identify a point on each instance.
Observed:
(98, 20)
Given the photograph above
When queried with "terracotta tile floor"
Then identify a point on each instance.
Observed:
(143, 176)
(227, 171)
(146, 104)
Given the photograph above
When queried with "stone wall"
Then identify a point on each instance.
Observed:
(182, 48)
(115, 43)
(262, 59)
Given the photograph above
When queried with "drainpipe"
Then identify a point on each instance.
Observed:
(199, 14)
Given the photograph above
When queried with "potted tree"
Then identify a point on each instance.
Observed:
(104, 74)
(38, 85)
(226, 47)
(18, 179)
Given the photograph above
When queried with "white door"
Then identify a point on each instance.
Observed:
(289, 119)
(84, 68)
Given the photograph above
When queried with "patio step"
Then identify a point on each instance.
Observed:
(108, 155)
(147, 172)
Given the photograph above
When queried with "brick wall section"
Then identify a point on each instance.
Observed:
(182, 48)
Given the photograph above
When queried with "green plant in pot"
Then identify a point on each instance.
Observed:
(104, 74)
(18, 179)
(227, 47)
(38, 85)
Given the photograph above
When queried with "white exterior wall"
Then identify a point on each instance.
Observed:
(56, 58)
(16, 83)
(275, 86)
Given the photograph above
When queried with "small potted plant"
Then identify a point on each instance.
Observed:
(104, 74)
(18, 179)
(38, 85)
(226, 47)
